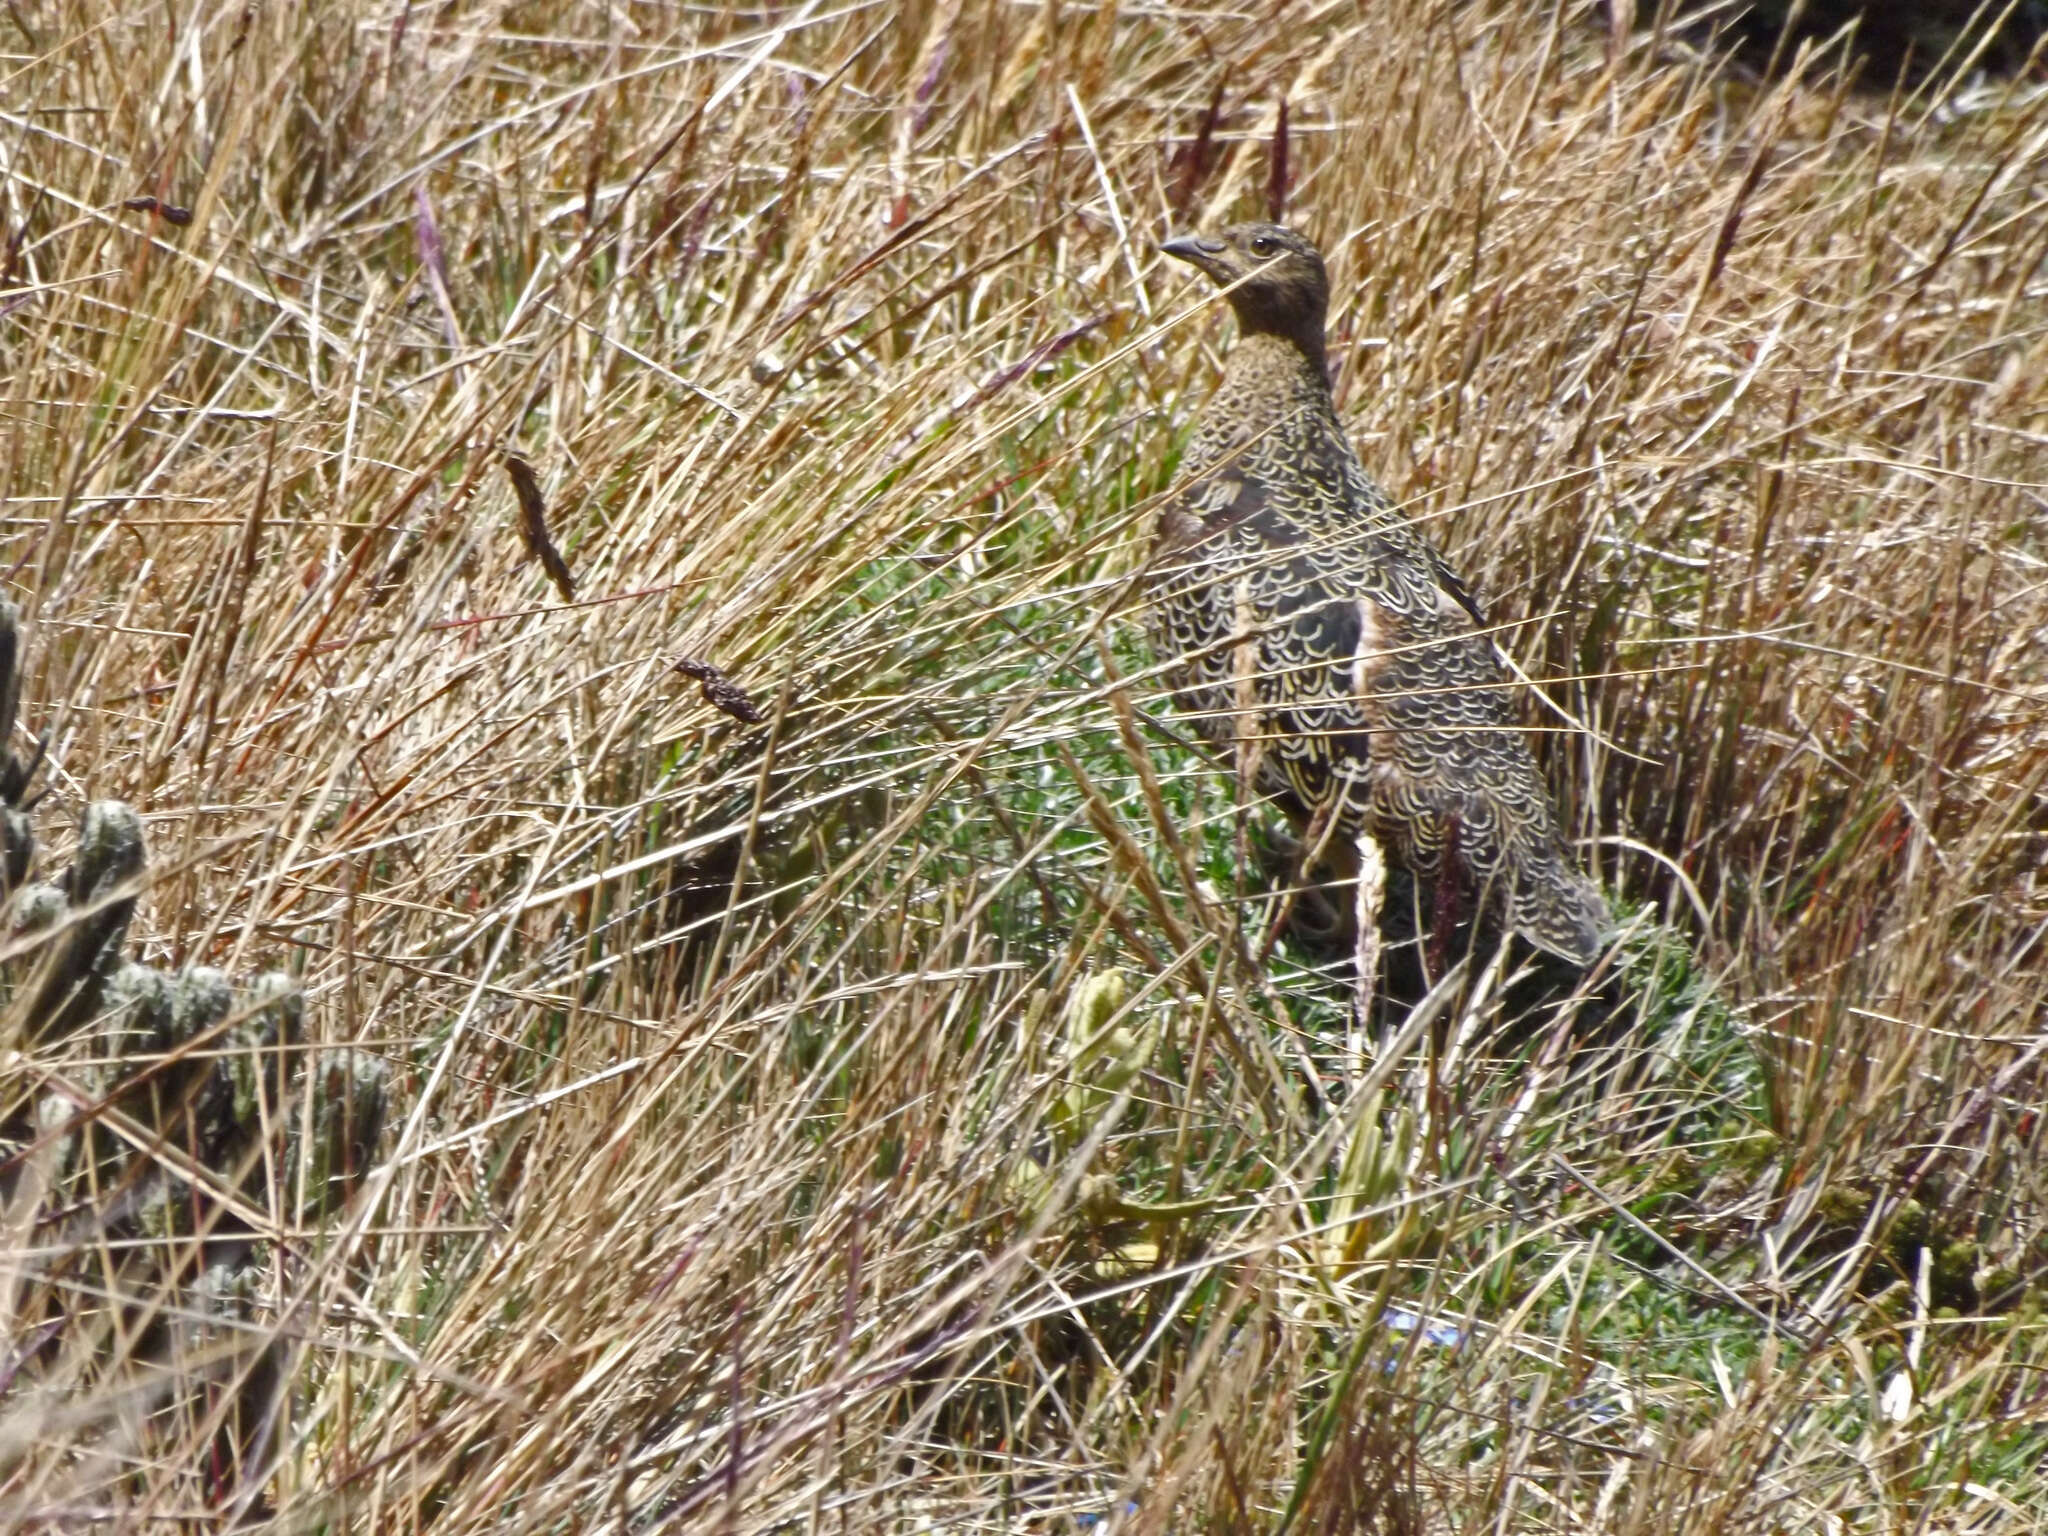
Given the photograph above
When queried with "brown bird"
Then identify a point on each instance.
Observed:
(1310, 628)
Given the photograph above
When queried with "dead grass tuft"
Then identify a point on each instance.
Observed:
(874, 1115)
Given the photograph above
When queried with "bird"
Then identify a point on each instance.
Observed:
(1309, 627)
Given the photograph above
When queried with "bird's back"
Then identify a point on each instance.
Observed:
(1313, 627)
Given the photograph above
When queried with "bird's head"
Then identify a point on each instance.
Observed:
(1280, 285)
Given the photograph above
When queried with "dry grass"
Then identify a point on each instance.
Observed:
(770, 1149)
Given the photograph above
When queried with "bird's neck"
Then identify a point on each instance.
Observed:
(1287, 370)
(1295, 326)
(1266, 379)
(1268, 382)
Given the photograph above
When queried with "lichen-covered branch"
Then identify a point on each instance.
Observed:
(154, 1139)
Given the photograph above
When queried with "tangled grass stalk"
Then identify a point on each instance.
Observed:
(737, 1168)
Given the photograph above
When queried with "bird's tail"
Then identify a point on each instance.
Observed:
(1557, 908)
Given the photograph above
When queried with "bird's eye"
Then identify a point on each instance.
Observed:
(1263, 245)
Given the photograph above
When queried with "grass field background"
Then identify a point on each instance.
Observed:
(881, 1117)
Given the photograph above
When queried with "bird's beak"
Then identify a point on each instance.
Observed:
(1192, 248)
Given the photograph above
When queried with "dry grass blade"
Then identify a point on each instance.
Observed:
(752, 1148)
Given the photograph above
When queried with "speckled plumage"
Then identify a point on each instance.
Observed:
(1313, 630)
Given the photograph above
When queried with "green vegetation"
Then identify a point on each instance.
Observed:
(886, 1115)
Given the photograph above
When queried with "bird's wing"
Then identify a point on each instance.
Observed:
(1454, 585)
(1409, 563)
